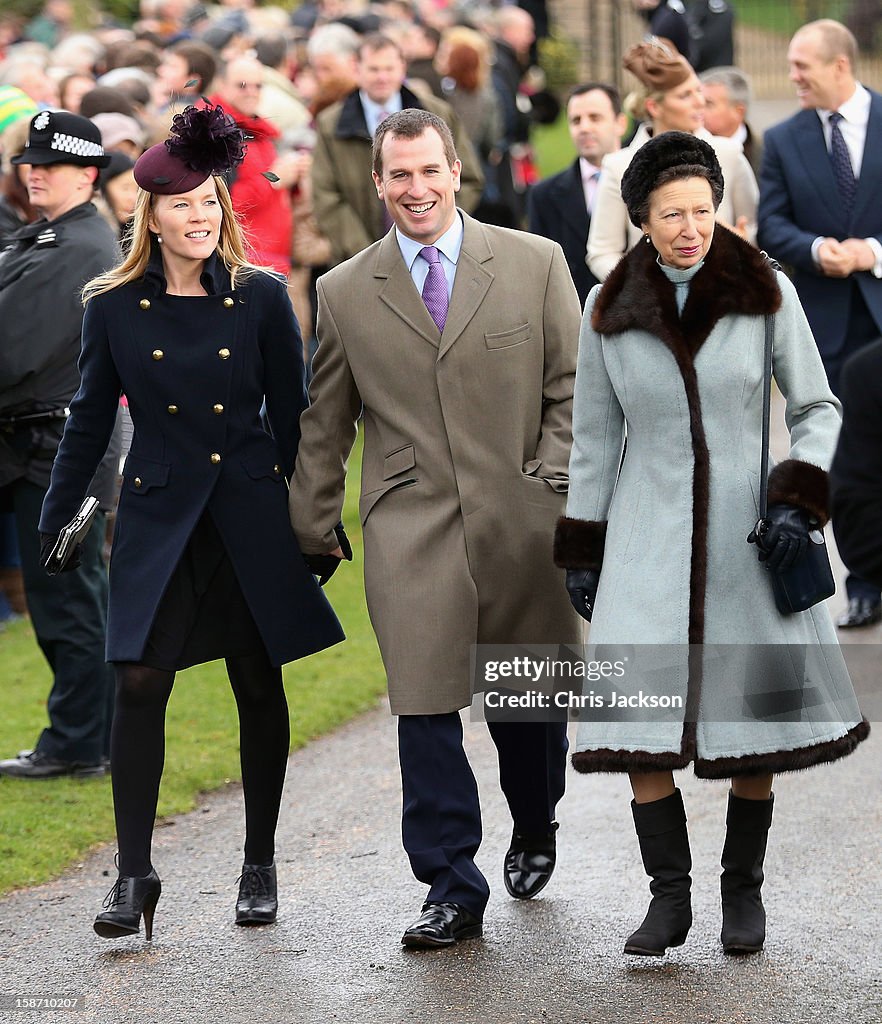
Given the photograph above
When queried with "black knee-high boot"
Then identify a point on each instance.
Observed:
(744, 917)
(664, 846)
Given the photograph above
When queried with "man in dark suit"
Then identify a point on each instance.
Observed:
(820, 213)
(560, 207)
(856, 473)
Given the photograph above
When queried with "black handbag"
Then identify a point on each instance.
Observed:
(810, 578)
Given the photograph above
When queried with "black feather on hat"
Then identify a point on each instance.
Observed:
(205, 141)
(670, 151)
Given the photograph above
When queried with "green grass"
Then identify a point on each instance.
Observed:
(785, 18)
(553, 146)
(47, 825)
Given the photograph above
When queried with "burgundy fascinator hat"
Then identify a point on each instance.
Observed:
(205, 141)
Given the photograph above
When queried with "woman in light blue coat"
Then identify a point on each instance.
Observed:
(671, 352)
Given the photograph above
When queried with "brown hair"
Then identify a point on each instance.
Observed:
(410, 123)
(464, 67)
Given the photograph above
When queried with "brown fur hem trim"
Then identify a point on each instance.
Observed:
(778, 761)
(579, 543)
(606, 760)
(800, 483)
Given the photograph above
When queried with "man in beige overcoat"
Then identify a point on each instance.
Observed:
(467, 432)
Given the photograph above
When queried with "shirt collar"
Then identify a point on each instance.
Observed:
(855, 110)
(450, 243)
(588, 170)
(373, 110)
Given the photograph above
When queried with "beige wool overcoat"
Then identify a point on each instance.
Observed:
(466, 445)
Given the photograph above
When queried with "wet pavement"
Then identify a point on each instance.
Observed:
(346, 895)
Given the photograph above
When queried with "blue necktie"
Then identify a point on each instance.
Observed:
(842, 169)
(435, 289)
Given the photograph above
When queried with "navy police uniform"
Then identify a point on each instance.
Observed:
(41, 274)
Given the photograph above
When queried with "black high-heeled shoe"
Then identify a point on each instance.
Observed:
(258, 901)
(130, 897)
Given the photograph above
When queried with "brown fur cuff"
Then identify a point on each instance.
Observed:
(578, 543)
(800, 483)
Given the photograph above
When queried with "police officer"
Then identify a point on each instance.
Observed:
(41, 274)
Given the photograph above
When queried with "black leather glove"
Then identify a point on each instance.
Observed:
(582, 588)
(47, 544)
(324, 566)
(784, 536)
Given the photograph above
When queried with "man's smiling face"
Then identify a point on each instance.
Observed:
(418, 185)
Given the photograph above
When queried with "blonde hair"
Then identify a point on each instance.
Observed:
(231, 246)
(634, 104)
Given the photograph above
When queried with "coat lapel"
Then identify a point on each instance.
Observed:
(473, 280)
(809, 138)
(871, 162)
(570, 199)
(399, 293)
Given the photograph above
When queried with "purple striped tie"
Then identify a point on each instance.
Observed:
(435, 288)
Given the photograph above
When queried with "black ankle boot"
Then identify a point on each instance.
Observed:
(130, 897)
(529, 862)
(744, 917)
(258, 900)
(664, 846)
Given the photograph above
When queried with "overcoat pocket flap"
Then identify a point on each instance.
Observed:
(261, 465)
(506, 339)
(398, 462)
(141, 474)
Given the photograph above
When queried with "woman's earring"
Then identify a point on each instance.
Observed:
(159, 238)
(646, 239)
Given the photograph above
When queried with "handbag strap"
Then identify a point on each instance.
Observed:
(769, 324)
(767, 409)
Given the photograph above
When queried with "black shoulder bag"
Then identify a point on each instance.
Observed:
(810, 579)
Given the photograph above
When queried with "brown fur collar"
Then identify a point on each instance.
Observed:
(735, 278)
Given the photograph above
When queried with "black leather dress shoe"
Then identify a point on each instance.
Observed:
(442, 924)
(258, 900)
(861, 611)
(529, 862)
(32, 764)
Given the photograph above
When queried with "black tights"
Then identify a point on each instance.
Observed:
(137, 754)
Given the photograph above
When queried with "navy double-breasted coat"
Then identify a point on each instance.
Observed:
(196, 372)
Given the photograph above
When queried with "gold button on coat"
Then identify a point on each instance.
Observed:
(144, 303)
(137, 481)
(215, 458)
(224, 353)
(173, 409)
(277, 469)
(158, 354)
(218, 409)
(228, 302)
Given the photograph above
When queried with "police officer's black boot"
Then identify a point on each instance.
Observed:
(744, 918)
(664, 846)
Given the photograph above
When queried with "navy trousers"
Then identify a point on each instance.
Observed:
(69, 616)
(441, 817)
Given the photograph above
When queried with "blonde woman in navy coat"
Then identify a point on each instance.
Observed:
(205, 564)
